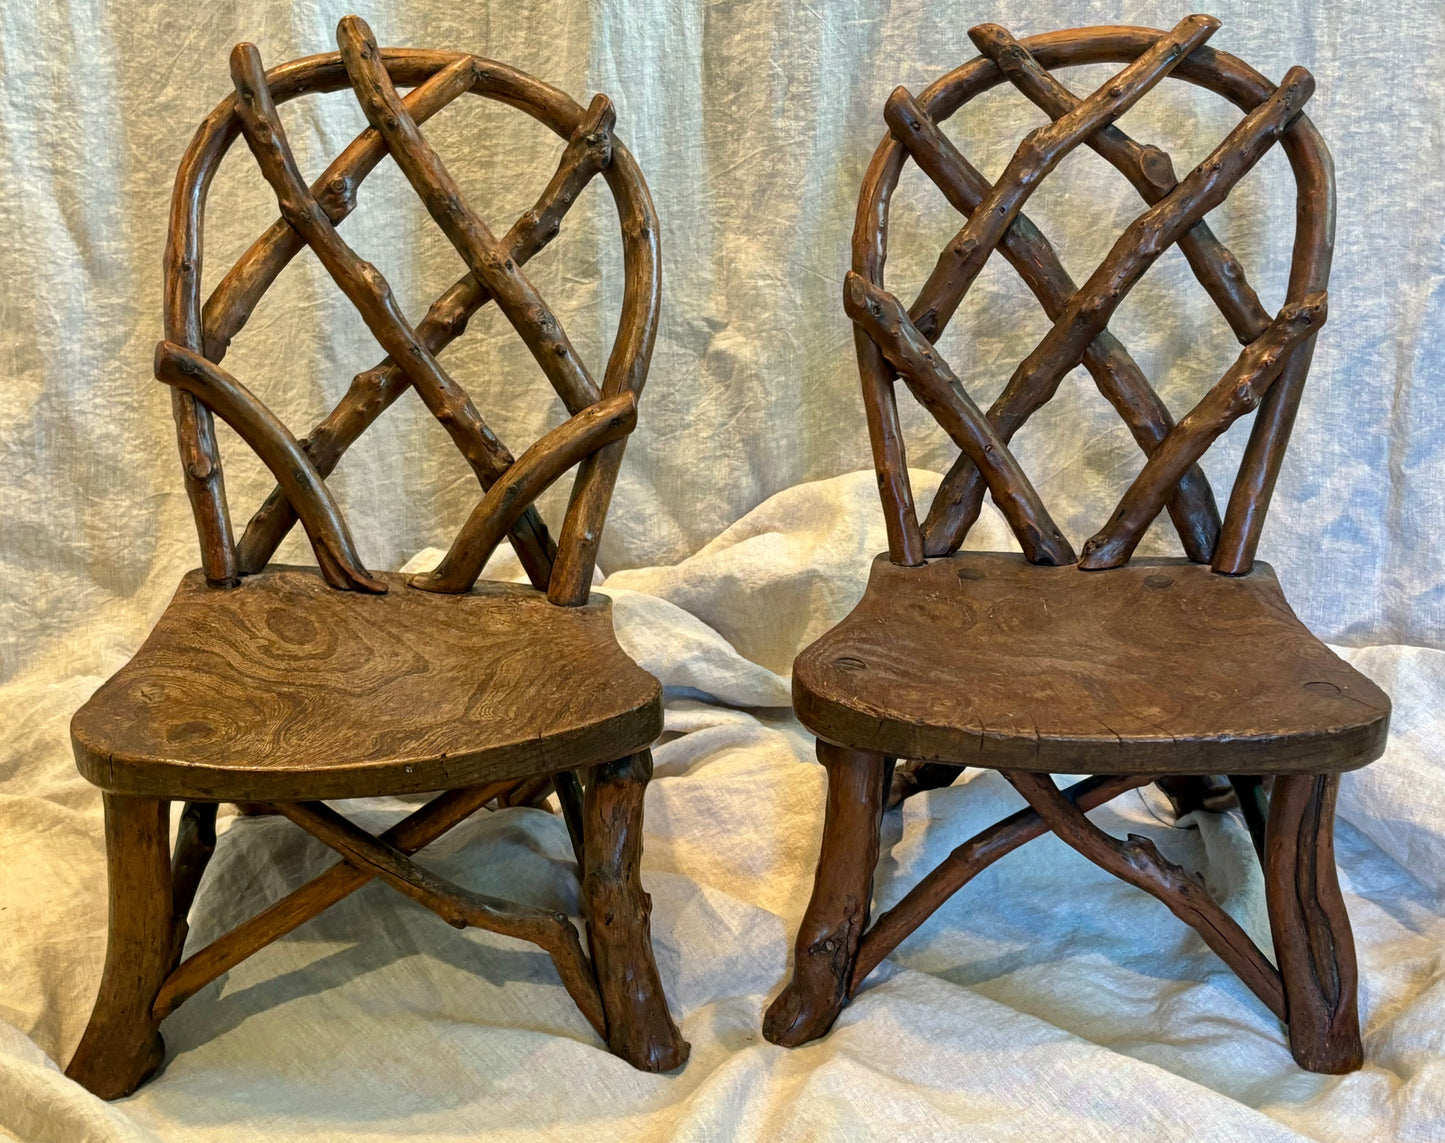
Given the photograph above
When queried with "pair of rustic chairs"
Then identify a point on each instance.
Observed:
(287, 686)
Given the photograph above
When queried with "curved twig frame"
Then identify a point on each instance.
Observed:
(564, 569)
(1176, 211)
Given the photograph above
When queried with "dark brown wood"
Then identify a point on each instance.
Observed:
(880, 315)
(965, 863)
(195, 844)
(1205, 66)
(484, 255)
(1139, 862)
(416, 831)
(122, 1044)
(639, 1026)
(279, 450)
(1158, 671)
(1119, 379)
(837, 914)
(551, 931)
(281, 692)
(237, 294)
(358, 279)
(371, 392)
(1239, 391)
(917, 778)
(597, 425)
(1253, 802)
(1312, 939)
(1037, 377)
(408, 691)
(1157, 667)
(1039, 153)
(1149, 170)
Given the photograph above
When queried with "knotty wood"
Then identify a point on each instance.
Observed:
(639, 1027)
(532, 474)
(1157, 667)
(1207, 67)
(1139, 862)
(1039, 153)
(551, 931)
(588, 151)
(473, 240)
(416, 831)
(837, 913)
(1312, 939)
(280, 452)
(1118, 377)
(359, 280)
(1238, 392)
(966, 862)
(1157, 671)
(364, 695)
(336, 191)
(1037, 377)
(880, 315)
(122, 1044)
(1149, 170)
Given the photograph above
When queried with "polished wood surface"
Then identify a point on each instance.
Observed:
(1193, 673)
(1161, 666)
(286, 689)
(280, 687)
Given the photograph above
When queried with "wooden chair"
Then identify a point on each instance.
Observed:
(1043, 663)
(289, 685)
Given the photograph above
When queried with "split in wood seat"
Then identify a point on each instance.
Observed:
(1182, 671)
(279, 687)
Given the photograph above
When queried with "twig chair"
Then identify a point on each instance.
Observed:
(1049, 663)
(286, 686)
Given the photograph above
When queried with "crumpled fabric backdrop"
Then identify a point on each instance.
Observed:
(1043, 998)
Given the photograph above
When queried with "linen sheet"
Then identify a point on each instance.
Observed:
(1044, 1000)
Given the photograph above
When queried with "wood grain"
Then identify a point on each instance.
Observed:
(639, 1027)
(880, 315)
(122, 1044)
(1312, 938)
(283, 689)
(837, 913)
(1161, 666)
(1118, 377)
(1206, 67)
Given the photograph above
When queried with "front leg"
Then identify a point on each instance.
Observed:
(639, 1027)
(842, 893)
(122, 1044)
(1312, 939)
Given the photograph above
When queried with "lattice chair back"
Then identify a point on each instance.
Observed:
(893, 340)
(197, 335)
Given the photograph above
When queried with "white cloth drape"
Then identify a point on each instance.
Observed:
(1044, 998)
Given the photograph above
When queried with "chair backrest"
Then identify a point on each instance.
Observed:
(893, 340)
(197, 335)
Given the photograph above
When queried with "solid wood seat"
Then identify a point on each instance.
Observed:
(286, 688)
(1160, 666)
(1194, 674)
(282, 687)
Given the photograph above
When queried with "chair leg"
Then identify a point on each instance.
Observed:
(639, 1027)
(122, 1045)
(842, 893)
(1312, 939)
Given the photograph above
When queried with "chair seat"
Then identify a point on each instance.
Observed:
(285, 689)
(1159, 666)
